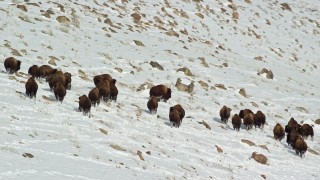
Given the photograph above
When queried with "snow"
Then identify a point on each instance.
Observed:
(68, 145)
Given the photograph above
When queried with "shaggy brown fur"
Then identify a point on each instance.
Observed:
(292, 125)
(31, 87)
(278, 132)
(179, 108)
(113, 90)
(292, 137)
(102, 78)
(34, 71)
(174, 117)
(53, 79)
(300, 146)
(259, 119)
(67, 77)
(152, 105)
(59, 91)
(242, 113)
(12, 65)
(225, 114)
(305, 131)
(84, 104)
(94, 96)
(248, 120)
(236, 122)
(104, 90)
(161, 91)
(45, 71)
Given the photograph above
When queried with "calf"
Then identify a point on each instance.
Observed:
(236, 122)
(225, 114)
(152, 105)
(84, 104)
(59, 91)
(278, 132)
(31, 88)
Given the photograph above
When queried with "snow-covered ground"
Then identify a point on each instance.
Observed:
(121, 38)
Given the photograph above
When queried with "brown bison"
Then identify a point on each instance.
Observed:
(113, 90)
(84, 104)
(104, 90)
(248, 120)
(34, 71)
(179, 108)
(102, 78)
(278, 132)
(300, 146)
(152, 105)
(12, 65)
(225, 114)
(94, 96)
(236, 122)
(292, 125)
(59, 91)
(67, 77)
(305, 131)
(259, 119)
(161, 91)
(31, 87)
(174, 117)
(292, 137)
(243, 112)
(45, 71)
(56, 77)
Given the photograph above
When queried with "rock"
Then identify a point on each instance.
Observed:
(171, 32)
(221, 86)
(248, 142)
(268, 73)
(203, 84)
(285, 6)
(103, 131)
(242, 91)
(317, 121)
(219, 149)
(263, 176)
(22, 7)
(254, 104)
(52, 62)
(183, 87)
(140, 155)
(156, 65)
(138, 43)
(63, 19)
(260, 158)
(136, 17)
(205, 124)
(143, 86)
(235, 15)
(116, 147)
(118, 69)
(29, 155)
(186, 71)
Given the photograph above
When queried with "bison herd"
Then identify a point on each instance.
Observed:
(105, 90)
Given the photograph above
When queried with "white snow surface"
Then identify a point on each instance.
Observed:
(99, 38)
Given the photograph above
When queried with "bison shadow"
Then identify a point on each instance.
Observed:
(168, 124)
(217, 120)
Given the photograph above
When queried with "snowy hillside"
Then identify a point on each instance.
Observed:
(216, 48)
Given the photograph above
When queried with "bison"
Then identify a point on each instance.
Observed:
(225, 114)
(179, 108)
(31, 87)
(300, 146)
(84, 104)
(248, 120)
(306, 130)
(113, 90)
(174, 117)
(243, 112)
(56, 77)
(292, 125)
(102, 78)
(236, 122)
(45, 71)
(161, 91)
(104, 90)
(152, 105)
(94, 96)
(34, 71)
(278, 132)
(12, 65)
(67, 77)
(59, 91)
(259, 119)
(292, 137)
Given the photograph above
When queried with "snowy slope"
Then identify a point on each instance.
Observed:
(103, 37)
